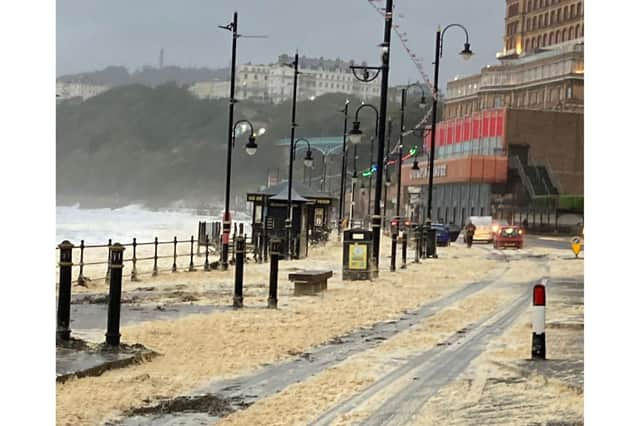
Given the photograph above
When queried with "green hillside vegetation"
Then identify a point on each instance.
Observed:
(160, 145)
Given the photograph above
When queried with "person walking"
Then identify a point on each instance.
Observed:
(469, 231)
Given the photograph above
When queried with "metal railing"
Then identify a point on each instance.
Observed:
(92, 261)
(515, 163)
(552, 177)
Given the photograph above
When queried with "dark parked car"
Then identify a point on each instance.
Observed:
(442, 234)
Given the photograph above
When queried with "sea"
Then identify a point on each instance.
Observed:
(97, 226)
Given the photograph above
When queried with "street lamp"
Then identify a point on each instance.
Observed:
(466, 54)
(354, 183)
(308, 158)
(288, 221)
(355, 136)
(384, 88)
(226, 219)
(345, 110)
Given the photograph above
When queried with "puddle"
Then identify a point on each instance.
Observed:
(208, 403)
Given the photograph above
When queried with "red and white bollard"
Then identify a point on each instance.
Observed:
(538, 345)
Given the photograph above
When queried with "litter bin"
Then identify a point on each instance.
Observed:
(357, 253)
(430, 240)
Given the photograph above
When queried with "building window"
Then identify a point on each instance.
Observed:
(566, 13)
(526, 45)
(535, 4)
(577, 31)
(570, 33)
(573, 11)
(535, 22)
(539, 41)
(529, 6)
(579, 9)
(564, 34)
(553, 17)
(569, 93)
(546, 18)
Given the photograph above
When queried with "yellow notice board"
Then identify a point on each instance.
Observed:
(358, 256)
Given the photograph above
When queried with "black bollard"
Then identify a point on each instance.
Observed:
(404, 251)
(191, 267)
(115, 293)
(237, 291)
(417, 253)
(226, 230)
(206, 253)
(155, 257)
(273, 274)
(134, 260)
(64, 291)
(174, 267)
(81, 279)
(394, 242)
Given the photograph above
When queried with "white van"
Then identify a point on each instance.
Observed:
(484, 231)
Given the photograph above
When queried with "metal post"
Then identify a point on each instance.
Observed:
(344, 167)
(354, 182)
(288, 221)
(134, 260)
(226, 220)
(81, 279)
(239, 278)
(394, 242)
(399, 186)
(174, 267)
(64, 291)
(385, 169)
(191, 267)
(404, 251)
(434, 110)
(106, 277)
(417, 238)
(115, 293)
(381, 132)
(206, 253)
(273, 274)
(155, 257)
(370, 164)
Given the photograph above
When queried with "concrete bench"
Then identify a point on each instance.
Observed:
(309, 282)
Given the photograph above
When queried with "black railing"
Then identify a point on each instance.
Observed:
(91, 261)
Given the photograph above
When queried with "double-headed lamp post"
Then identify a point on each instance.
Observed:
(383, 69)
(466, 54)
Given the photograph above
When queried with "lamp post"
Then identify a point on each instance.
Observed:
(403, 103)
(466, 54)
(387, 177)
(345, 110)
(226, 219)
(354, 184)
(384, 87)
(355, 137)
(294, 65)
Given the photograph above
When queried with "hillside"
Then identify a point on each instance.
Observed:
(113, 76)
(160, 145)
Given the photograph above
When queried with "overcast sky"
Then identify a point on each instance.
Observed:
(92, 34)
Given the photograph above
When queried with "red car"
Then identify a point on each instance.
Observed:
(509, 236)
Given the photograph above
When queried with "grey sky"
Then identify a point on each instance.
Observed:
(92, 34)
